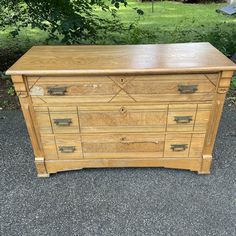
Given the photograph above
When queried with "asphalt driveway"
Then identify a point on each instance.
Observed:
(141, 201)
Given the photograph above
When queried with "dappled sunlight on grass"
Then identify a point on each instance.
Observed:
(167, 17)
(172, 14)
(25, 39)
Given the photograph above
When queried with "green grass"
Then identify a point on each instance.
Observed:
(168, 15)
(159, 27)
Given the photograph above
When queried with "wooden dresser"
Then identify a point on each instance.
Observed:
(122, 106)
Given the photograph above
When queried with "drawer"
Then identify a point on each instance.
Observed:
(188, 117)
(123, 118)
(184, 145)
(140, 88)
(123, 145)
(126, 118)
(57, 119)
(85, 88)
(62, 146)
(183, 87)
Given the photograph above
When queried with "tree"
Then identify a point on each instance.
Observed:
(71, 21)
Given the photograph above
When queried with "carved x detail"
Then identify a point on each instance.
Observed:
(122, 82)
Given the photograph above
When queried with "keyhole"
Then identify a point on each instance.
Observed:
(122, 80)
(123, 110)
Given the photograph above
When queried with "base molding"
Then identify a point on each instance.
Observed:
(192, 164)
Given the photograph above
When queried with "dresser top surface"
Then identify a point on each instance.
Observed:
(116, 59)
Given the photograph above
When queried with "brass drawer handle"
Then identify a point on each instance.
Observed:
(183, 119)
(178, 147)
(187, 88)
(57, 90)
(67, 149)
(62, 122)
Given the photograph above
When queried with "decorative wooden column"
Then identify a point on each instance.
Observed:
(222, 88)
(27, 109)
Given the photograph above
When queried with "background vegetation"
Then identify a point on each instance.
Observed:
(110, 22)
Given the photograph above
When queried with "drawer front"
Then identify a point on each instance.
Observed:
(123, 118)
(147, 88)
(123, 145)
(84, 89)
(62, 146)
(184, 145)
(172, 87)
(188, 117)
(57, 120)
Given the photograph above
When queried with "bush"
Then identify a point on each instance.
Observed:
(222, 37)
(74, 21)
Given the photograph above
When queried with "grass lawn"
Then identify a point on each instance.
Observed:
(168, 17)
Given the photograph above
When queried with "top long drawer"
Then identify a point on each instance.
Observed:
(141, 88)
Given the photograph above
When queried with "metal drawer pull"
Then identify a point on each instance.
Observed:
(187, 88)
(67, 149)
(57, 91)
(183, 119)
(62, 122)
(178, 147)
(125, 141)
(133, 142)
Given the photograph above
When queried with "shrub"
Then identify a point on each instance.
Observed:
(74, 21)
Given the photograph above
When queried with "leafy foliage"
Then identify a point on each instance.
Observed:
(233, 83)
(8, 100)
(73, 21)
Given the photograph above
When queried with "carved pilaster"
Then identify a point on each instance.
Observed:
(224, 81)
(28, 112)
(19, 86)
(222, 88)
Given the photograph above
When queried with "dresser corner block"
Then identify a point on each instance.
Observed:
(119, 113)
(41, 167)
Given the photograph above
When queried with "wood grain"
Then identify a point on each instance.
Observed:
(123, 145)
(117, 59)
(217, 112)
(193, 164)
(122, 88)
(123, 118)
(122, 106)
(31, 124)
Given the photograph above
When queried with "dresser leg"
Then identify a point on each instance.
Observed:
(43, 175)
(40, 167)
(206, 164)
